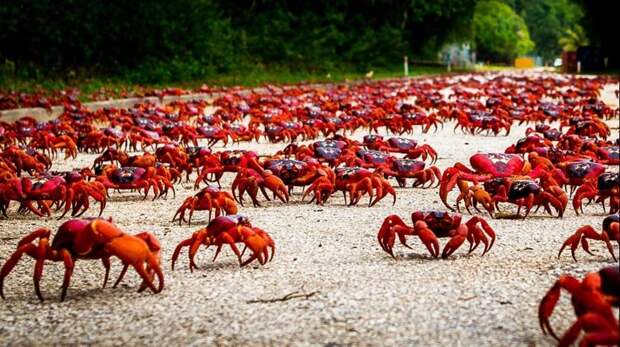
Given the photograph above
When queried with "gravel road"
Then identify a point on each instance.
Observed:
(356, 293)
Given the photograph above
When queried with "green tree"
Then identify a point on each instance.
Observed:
(500, 34)
(166, 40)
(548, 21)
(573, 39)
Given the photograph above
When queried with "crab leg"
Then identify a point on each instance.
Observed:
(550, 300)
(393, 225)
(27, 248)
(582, 235)
(69, 263)
(106, 265)
(456, 241)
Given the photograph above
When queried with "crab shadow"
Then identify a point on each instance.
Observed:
(597, 258)
(296, 202)
(196, 223)
(207, 266)
(52, 295)
(515, 217)
(409, 256)
(134, 197)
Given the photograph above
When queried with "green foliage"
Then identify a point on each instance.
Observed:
(114, 35)
(500, 34)
(573, 39)
(159, 41)
(548, 21)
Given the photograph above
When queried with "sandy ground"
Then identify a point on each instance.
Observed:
(361, 295)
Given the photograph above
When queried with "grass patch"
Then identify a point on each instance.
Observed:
(252, 78)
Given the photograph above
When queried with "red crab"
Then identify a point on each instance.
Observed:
(51, 144)
(402, 169)
(111, 155)
(146, 138)
(411, 119)
(325, 151)
(521, 191)
(528, 144)
(215, 134)
(79, 191)
(229, 230)
(546, 130)
(611, 231)
(251, 181)
(199, 156)
(15, 190)
(209, 198)
(286, 132)
(366, 158)
(592, 299)
(407, 146)
(174, 155)
(607, 186)
(590, 127)
(226, 161)
(8, 171)
(135, 178)
(298, 173)
(429, 226)
(66, 188)
(485, 167)
(356, 181)
(88, 239)
(240, 132)
(608, 155)
(580, 171)
(42, 192)
(27, 160)
(475, 122)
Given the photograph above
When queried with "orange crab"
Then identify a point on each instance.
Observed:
(88, 239)
(231, 229)
(429, 226)
(209, 198)
(251, 181)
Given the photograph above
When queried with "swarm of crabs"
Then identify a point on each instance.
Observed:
(567, 157)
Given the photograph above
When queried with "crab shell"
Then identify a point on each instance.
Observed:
(497, 164)
(438, 221)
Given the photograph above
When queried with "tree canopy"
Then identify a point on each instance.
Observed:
(548, 21)
(499, 32)
(187, 38)
(163, 40)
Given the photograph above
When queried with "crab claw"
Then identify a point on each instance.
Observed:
(259, 242)
(392, 225)
(551, 299)
(448, 181)
(138, 251)
(455, 242)
(193, 243)
(546, 309)
(428, 238)
(322, 189)
(479, 234)
(383, 188)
